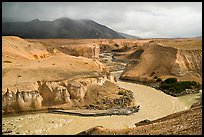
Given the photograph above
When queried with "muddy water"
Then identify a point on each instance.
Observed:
(153, 104)
(188, 100)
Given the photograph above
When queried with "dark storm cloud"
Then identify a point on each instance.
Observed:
(142, 19)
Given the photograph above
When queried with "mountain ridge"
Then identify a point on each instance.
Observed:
(59, 28)
(128, 36)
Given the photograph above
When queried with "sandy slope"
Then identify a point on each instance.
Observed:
(15, 47)
(156, 60)
(24, 68)
(34, 78)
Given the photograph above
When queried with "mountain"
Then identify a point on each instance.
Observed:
(59, 28)
(127, 36)
(199, 37)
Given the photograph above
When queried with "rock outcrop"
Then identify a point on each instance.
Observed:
(88, 51)
(188, 62)
(21, 101)
(36, 81)
(50, 94)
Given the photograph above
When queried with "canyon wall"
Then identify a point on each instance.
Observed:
(50, 93)
(155, 60)
(188, 62)
(87, 50)
(71, 47)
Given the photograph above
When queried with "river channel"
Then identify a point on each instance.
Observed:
(154, 104)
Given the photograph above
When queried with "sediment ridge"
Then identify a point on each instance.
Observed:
(95, 113)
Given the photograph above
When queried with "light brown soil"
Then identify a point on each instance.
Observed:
(185, 43)
(24, 69)
(25, 62)
(29, 66)
(156, 60)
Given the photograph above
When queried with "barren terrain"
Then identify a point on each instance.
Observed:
(159, 58)
(38, 74)
(35, 77)
(188, 122)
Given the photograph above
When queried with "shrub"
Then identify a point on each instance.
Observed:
(196, 84)
(121, 92)
(185, 84)
(170, 80)
(124, 92)
(177, 87)
(158, 80)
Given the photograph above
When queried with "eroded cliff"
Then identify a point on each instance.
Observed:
(68, 93)
(155, 60)
(58, 80)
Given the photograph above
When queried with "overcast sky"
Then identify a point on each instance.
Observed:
(144, 19)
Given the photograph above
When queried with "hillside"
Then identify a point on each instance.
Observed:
(15, 47)
(162, 58)
(188, 122)
(59, 28)
(35, 78)
(127, 36)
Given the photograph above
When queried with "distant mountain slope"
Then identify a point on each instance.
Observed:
(59, 28)
(199, 37)
(127, 36)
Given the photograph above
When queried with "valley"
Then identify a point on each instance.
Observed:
(92, 74)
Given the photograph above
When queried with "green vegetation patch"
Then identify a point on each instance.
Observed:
(172, 86)
(122, 92)
(170, 80)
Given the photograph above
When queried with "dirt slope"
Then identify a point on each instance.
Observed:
(36, 76)
(188, 122)
(15, 47)
(154, 59)
(28, 64)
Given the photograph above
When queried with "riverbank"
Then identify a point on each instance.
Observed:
(188, 122)
(153, 105)
(159, 86)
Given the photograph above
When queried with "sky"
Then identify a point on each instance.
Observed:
(143, 19)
